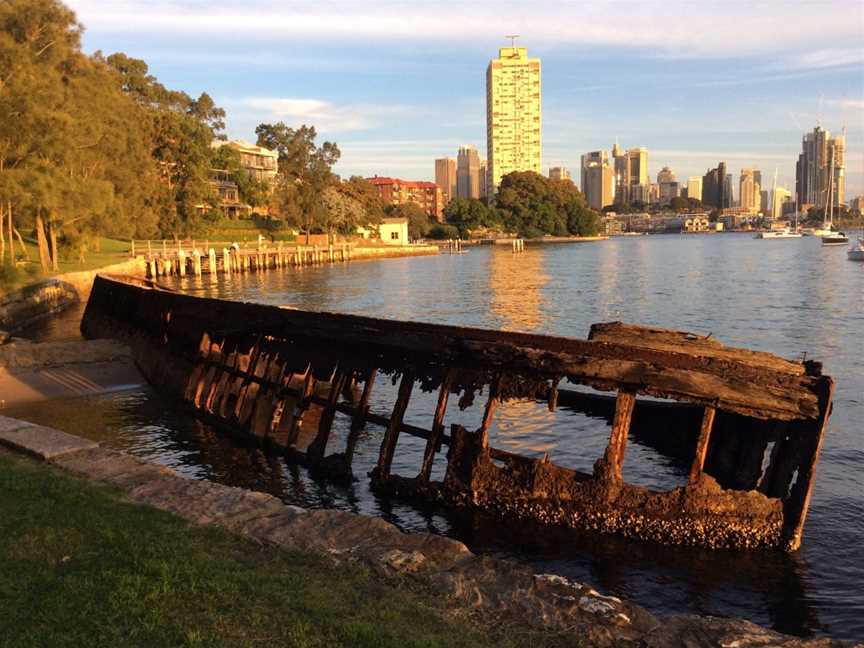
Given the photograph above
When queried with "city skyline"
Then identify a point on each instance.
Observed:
(395, 98)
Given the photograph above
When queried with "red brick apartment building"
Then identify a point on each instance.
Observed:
(394, 191)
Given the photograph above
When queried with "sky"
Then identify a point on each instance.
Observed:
(398, 84)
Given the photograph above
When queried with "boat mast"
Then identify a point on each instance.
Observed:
(828, 220)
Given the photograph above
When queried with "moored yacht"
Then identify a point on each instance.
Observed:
(835, 238)
(779, 234)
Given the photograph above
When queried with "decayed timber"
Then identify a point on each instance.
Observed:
(281, 376)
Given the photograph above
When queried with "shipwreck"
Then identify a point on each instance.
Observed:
(751, 424)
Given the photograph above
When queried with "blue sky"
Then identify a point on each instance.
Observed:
(397, 84)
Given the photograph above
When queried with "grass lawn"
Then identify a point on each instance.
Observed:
(80, 566)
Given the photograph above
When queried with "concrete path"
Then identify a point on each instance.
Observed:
(32, 372)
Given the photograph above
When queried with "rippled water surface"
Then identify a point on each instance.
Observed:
(789, 297)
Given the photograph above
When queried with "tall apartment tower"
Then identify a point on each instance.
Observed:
(512, 114)
(694, 187)
(813, 172)
(484, 180)
(749, 191)
(467, 173)
(667, 186)
(714, 190)
(445, 177)
(597, 180)
(631, 175)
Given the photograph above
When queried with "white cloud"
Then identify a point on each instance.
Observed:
(846, 104)
(326, 116)
(668, 27)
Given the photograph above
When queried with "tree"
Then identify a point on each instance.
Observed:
(533, 205)
(468, 214)
(342, 212)
(419, 223)
(305, 171)
(679, 204)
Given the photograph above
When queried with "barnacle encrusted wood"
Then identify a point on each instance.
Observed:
(280, 376)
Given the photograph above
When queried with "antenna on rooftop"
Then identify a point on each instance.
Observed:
(512, 38)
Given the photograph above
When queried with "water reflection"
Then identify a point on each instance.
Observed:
(516, 284)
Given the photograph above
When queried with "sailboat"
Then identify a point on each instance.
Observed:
(831, 236)
(785, 232)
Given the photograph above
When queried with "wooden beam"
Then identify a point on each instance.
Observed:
(614, 455)
(358, 420)
(301, 407)
(802, 491)
(433, 444)
(315, 452)
(489, 412)
(702, 444)
(388, 445)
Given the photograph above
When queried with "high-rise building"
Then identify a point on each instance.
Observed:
(815, 174)
(749, 190)
(694, 187)
(484, 180)
(713, 185)
(728, 192)
(780, 197)
(598, 180)
(559, 173)
(467, 173)
(765, 201)
(445, 177)
(631, 173)
(668, 185)
(512, 114)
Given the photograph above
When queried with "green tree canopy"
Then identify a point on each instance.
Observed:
(533, 205)
(467, 214)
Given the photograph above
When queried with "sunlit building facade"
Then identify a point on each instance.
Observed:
(445, 177)
(512, 114)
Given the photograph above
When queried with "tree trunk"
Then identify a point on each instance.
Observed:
(24, 251)
(11, 243)
(52, 233)
(42, 241)
(307, 237)
(2, 237)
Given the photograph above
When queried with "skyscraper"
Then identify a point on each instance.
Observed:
(668, 187)
(694, 187)
(445, 177)
(749, 191)
(598, 180)
(631, 174)
(780, 196)
(559, 173)
(512, 114)
(815, 174)
(467, 173)
(714, 190)
(484, 180)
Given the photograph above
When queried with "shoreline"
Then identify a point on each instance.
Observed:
(491, 588)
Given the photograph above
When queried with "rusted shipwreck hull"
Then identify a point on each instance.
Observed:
(751, 423)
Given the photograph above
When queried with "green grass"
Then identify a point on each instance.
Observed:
(80, 566)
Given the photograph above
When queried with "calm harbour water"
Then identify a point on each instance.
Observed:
(789, 297)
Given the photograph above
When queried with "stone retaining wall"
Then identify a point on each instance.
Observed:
(44, 298)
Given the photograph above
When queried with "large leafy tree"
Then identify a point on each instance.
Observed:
(467, 214)
(305, 172)
(532, 205)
